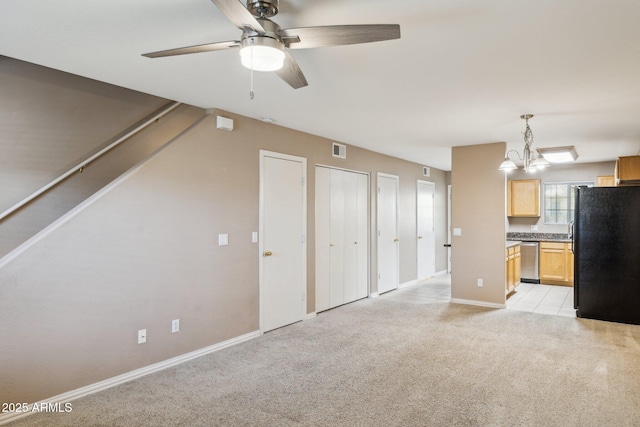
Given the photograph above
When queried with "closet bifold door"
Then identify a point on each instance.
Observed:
(342, 244)
(323, 237)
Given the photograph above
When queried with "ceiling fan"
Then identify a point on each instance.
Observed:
(264, 45)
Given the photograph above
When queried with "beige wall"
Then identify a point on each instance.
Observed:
(143, 251)
(479, 210)
(574, 172)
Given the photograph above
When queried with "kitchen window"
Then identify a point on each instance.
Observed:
(560, 201)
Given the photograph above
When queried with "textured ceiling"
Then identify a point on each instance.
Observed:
(462, 73)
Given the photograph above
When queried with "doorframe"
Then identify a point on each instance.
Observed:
(303, 246)
(433, 208)
(377, 231)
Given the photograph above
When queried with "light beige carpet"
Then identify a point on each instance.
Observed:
(380, 362)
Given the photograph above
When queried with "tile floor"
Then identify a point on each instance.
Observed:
(541, 299)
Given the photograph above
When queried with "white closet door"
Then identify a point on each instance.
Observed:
(350, 269)
(323, 238)
(336, 292)
(362, 288)
(388, 251)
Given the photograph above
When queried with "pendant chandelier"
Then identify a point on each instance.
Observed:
(529, 161)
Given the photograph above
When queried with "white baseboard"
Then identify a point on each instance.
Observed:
(480, 303)
(311, 315)
(374, 295)
(440, 273)
(121, 379)
(409, 283)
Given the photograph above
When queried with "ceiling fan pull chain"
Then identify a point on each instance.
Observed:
(251, 71)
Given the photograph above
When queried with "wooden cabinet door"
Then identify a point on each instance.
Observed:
(516, 267)
(523, 198)
(556, 263)
(605, 181)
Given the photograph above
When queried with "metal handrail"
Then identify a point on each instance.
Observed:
(80, 166)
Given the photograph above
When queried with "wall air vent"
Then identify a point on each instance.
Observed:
(339, 150)
(426, 171)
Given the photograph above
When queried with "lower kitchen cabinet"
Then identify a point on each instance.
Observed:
(512, 257)
(556, 263)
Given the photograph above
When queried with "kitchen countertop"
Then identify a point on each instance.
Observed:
(539, 237)
(512, 243)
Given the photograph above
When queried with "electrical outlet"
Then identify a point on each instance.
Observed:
(175, 326)
(534, 228)
(480, 283)
(142, 336)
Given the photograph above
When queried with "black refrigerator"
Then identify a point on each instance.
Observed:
(606, 246)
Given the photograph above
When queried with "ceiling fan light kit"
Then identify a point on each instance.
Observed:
(264, 45)
(262, 53)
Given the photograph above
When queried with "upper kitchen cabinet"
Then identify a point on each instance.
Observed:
(523, 198)
(606, 181)
(627, 170)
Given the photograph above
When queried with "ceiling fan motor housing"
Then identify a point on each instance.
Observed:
(263, 9)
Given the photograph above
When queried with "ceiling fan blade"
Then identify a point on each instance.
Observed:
(239, 15)
(209, 47)
(336, 35)
(291, 72)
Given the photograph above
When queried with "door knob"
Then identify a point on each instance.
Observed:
(396, 240)
(355, 243)
(419, 237)
(331, 245)
(268, 253)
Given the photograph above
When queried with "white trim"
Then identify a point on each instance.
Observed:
(479, 303)
(441, 273)
(310, 316)
(373, 295)
(305, 238)
(409, 283)
(129, 376)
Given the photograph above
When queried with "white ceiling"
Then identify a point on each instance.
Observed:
(462, 73)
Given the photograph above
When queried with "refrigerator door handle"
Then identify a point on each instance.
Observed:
(571, 234)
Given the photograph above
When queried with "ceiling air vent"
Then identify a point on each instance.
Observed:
(426, 171)
(339, 150)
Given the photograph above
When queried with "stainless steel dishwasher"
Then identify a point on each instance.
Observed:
(529, 267)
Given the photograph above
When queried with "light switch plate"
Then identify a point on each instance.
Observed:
(254, 237)
(142, 336)
(223, 239)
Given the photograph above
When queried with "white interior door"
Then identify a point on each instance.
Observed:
(362, 238)
(282, 243)
(350, 241)
(449, 228)
(342, 237)
(338, 191)
(323, 238)
(388, 241)
(426, 230)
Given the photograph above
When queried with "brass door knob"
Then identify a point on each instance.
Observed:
(355, 243)
(419, 237)
(268, 253)
(396, 240)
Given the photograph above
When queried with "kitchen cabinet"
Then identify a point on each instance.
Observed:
(342, 237)
(512, 258)
(523, 198)
(627, 170)
(605, 181)
(556, 263)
